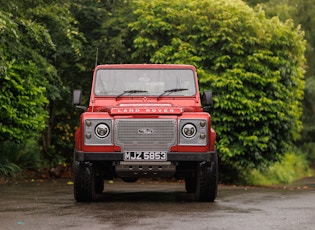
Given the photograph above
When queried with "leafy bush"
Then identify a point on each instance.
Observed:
(309, 150)
(29, 155)
(63, 138)
(7, 159)
(254, 65)
(15, 157)
(23, 74)
(8, 169)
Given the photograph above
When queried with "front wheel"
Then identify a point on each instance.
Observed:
(207, 180)
(84, 181)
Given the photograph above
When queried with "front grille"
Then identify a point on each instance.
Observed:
(145, 134)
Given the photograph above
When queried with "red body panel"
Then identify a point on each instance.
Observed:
(131, 107)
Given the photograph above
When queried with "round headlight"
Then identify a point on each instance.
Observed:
(189, 130)
(102, 130)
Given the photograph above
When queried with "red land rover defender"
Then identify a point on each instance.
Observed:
(145, 120)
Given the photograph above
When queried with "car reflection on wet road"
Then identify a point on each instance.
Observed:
(156, 205)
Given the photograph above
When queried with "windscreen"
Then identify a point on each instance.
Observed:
(145, 82)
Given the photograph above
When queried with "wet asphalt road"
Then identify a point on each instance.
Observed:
(146, 204)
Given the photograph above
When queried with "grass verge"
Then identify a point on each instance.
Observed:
(291, 167)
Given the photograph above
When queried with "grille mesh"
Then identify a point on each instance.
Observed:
(145, 134)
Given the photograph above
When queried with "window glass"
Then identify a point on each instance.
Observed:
(145, 82)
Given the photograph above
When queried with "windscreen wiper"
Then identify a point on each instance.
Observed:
(130, 92)
(169, 91)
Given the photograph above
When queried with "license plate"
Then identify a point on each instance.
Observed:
(145, 156)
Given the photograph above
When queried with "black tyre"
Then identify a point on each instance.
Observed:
(207, 180)
(84, 181)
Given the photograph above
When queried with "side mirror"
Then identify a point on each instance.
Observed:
(77, 99)
(206, 98)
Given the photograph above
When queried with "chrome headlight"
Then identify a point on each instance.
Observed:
(102, 130)
(189, 130)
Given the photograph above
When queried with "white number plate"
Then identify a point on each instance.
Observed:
(145, 156)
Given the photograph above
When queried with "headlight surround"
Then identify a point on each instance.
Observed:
(98, 132)
(189, 130)
(193, 132)
(102, 130)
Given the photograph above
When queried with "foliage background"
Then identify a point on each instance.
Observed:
(254, 63)
(300, 11)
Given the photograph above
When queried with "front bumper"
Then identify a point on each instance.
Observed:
(118, 156)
